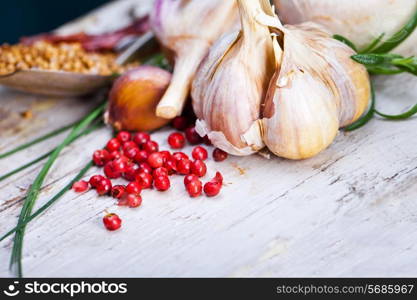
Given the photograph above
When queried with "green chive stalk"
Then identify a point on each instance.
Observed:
(33, 193)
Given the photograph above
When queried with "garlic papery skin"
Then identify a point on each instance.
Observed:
(231, 84)
(361, 21)
(315, 91)
(350, 80)
(187, 29)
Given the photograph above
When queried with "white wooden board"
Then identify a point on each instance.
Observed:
(350, 211)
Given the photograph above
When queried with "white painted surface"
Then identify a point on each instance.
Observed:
(350, 211)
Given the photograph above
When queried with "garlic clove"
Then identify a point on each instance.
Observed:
(348, 79)
(300, 115)
(231, 84)
(316, 90)
(188, 28)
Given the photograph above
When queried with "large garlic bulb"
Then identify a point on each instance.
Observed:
(316, 90)
(361, 21)
(187, 28)
(232, 82)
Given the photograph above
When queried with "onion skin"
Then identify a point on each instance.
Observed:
(134, 97)
(361, 21)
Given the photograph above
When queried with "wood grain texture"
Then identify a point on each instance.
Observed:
(350, 211)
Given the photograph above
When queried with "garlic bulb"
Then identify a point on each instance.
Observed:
(317, 89)
(231, 84)
(187, 28)
(361, 21)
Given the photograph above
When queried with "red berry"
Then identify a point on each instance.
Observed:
(156, 160)
(115, 154)
(171, 166)
(162, 183)
(112, 222)
(161, 171)
(212, 188)
(134, 200)
(122, 201)
(145, 168)
(166, 155)
(128, 145)
(80, 186)
(218, 178)
(192, 136)
(113, 145)
(179, 156)
(110, 171)
(199, 168)
(95, 180)
(118, 191)
(100, 157)
(207, 140)
(199, 153)
(131, 152)
(145, 180)
(104, 186)
(194, 188)
(219, 155)
(133, 188)
(176, 140)
(141, 156)
(131, 170)
(189, 178)
(180, 123)
(123, 136)
(120, 164)
(141, 138)
(150, 147)
(184, 166)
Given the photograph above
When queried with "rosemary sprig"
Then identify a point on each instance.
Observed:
(372, 45)
(45, 155)
(33, 193)
(398, 37)
(50, 202)
(38, 140)
(377, 60)
(376, 56)
(345, 41)
(387, 63)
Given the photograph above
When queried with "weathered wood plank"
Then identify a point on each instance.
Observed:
(350, 211)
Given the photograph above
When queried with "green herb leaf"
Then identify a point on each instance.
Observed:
(387, 64)
(372, 59)
(406, 115)
(373, 44)
(16, 258)
(398, 37)
(345, 41)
